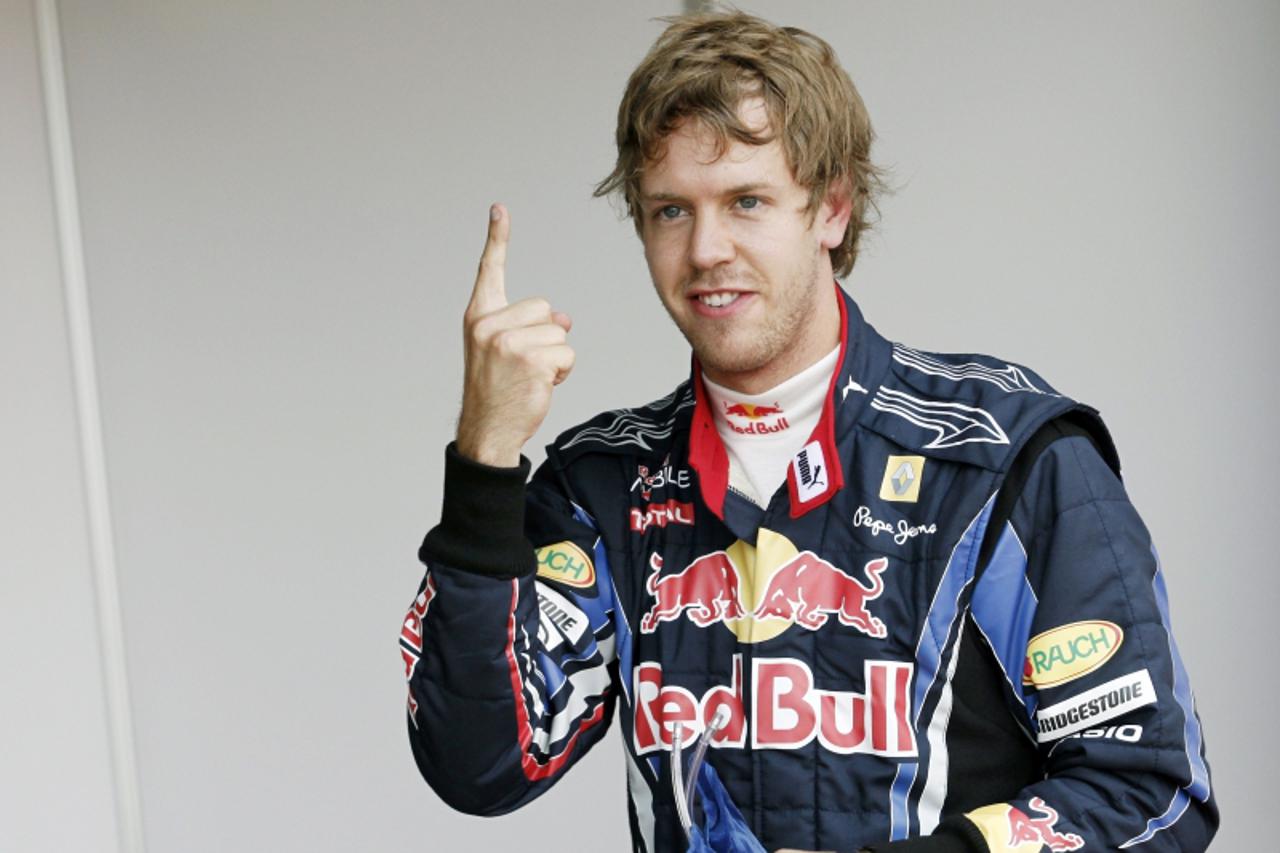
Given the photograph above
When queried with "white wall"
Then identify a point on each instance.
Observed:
(283, 205)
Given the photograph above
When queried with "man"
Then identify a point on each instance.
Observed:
(909, 587)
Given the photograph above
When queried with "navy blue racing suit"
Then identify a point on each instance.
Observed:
(947, 632)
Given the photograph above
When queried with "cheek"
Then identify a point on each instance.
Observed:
(663, 255)
(771, 250)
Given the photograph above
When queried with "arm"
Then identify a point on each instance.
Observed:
(1108, 704)
(510, 676)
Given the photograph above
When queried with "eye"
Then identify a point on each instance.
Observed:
(671, 211)
(749, 202)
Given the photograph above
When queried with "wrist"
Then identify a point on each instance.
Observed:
(481, 525)
(490, 450)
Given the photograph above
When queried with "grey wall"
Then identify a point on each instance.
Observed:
(283, 205)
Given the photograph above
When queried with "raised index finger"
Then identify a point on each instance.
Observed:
(490, 292)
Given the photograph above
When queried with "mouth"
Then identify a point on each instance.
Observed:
(718, 299)
(719, 303)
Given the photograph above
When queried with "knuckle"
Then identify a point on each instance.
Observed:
(477, 327)
(502, 343)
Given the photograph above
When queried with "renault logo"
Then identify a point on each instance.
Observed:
(902, 478)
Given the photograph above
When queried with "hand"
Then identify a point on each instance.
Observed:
(515, 355)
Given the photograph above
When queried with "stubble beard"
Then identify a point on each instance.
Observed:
(725, 347)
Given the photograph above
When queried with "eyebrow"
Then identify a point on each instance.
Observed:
(740, 189)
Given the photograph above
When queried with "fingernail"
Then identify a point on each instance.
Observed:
(494, 213)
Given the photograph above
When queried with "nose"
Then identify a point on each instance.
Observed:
(711, 242)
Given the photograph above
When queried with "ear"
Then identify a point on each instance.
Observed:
(833, 214)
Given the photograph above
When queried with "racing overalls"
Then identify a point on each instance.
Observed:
(908, 642)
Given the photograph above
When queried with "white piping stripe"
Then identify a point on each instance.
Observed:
(929, 810)
(128, 800)
(1009, 378)
(641, 800)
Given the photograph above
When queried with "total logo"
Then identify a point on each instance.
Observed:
(1008, 829)
(787, 710)
(660, 515)
(759, 592)
(755, 416)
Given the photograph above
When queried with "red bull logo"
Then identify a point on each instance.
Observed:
(707, 590)
(809, 588)
(755, 415)
(751, 411)
(787, 710)
(803, 589)
(1008, 829)
(1040, 830)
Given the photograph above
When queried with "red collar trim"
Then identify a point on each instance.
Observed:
(707, 454)
(815, 472)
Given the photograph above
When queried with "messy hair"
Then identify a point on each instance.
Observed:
(702, 68)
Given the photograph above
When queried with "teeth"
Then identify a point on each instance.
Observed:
(718, 300)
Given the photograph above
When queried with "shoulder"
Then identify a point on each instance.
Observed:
(966, 407)
(641, 431)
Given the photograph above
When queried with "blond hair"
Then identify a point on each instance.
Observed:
(703, 66)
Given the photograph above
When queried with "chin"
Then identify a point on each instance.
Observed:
(722, 358)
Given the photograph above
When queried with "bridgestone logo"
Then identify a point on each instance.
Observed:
(1104, 702)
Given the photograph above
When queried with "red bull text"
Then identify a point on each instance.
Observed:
(411, 629)
(787, 711)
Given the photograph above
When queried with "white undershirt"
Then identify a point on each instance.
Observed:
(761, 444)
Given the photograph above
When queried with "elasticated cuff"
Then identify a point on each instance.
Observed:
(481, 525)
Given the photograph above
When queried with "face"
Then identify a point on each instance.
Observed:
(740, 265)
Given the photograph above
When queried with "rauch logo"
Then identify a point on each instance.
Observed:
(565, 562)
(1069, 651)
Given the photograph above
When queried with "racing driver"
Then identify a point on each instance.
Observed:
(902, 595)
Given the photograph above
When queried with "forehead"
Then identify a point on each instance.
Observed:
(691, 159)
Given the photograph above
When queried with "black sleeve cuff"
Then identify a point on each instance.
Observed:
(481, 525)
(955, 835)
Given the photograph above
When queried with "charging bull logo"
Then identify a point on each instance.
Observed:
(795, 588)
(808, 588)
(1040, 830)
(707, 590)
(749, 410)
(755, 415)
(1008, 829)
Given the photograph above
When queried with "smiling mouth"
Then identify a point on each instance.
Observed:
(718, 300)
